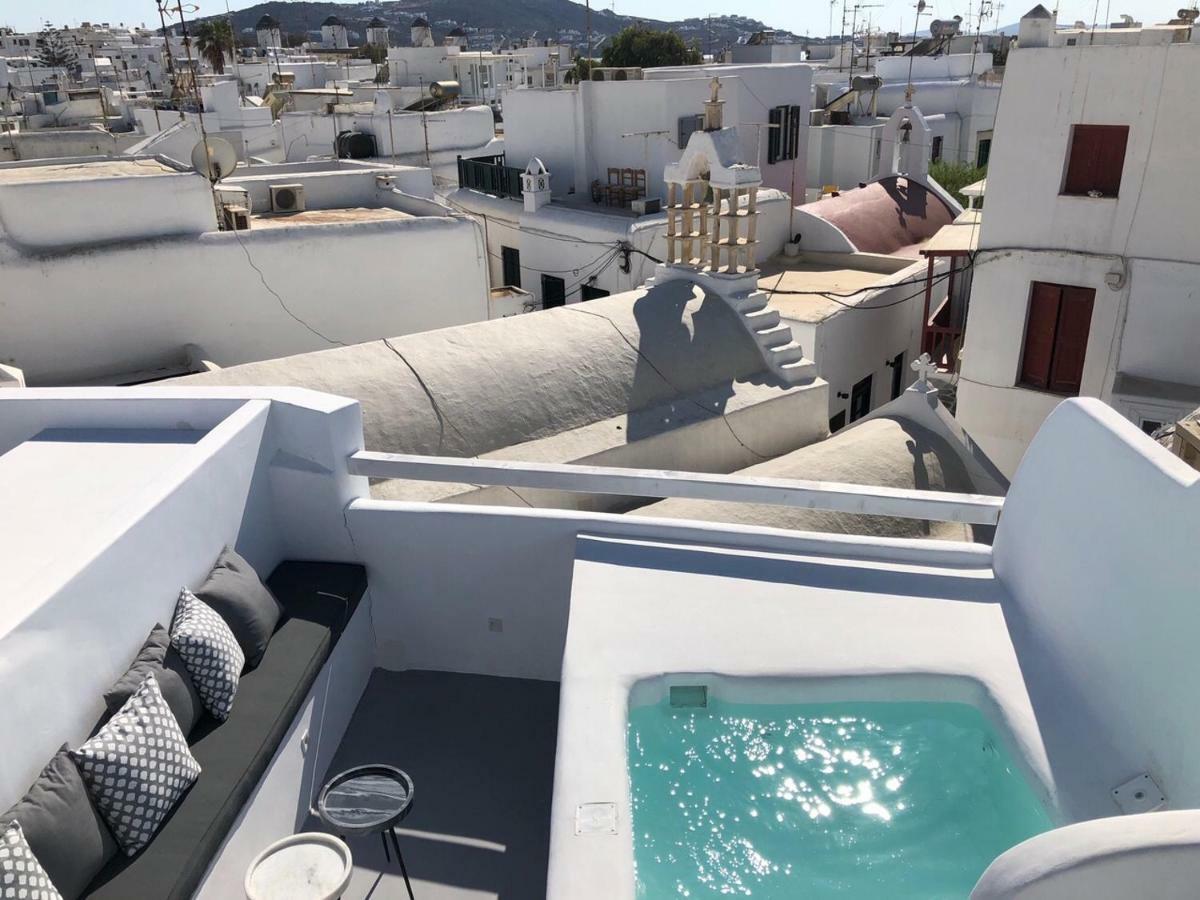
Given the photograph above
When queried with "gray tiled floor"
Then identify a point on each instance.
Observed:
(480, 751)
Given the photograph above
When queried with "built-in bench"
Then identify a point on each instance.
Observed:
(318, 600)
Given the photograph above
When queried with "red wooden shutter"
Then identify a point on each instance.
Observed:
(1070, 345)
(1096, 159)
(1039, 334)
(1110, 158)
(1079, 164)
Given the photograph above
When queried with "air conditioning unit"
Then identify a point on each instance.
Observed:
(287, 197)
(236, 218)
(646, 206)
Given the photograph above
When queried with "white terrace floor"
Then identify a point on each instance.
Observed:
(480, 751)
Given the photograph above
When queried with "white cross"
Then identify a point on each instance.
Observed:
(924, 367)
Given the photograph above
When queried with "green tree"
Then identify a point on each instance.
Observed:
(374, 53)
(956, 176)
(214, 39)
(638, 45)
(53, 51)
(582, 70)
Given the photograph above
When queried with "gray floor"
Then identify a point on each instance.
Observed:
(480, 751)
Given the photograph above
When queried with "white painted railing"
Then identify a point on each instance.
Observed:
(937, 506)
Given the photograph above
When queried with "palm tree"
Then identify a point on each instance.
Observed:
(213, 39)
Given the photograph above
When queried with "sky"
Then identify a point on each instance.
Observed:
(803, 17)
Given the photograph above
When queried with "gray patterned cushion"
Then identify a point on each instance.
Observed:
(21, 875)
(137, 767)
(211, 653)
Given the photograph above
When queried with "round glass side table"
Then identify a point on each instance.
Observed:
(369, 800)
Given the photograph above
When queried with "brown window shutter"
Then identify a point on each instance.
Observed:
(1074, 325)
(1039, 335)
(1096, 159)
(1080, 163)
(1110, 158)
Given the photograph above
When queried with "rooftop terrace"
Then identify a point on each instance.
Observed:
(485, 674)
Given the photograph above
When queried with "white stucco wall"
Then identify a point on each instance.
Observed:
(461, 130)
(854, 343)
(338, 184)
(53, 211)
(1103, 616)
(574, 244)
(164, 538)
(580, 133)
(350, 282)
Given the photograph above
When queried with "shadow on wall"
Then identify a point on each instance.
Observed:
(952, 474)
(687, 330)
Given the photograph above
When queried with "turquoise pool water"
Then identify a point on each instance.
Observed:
(887, 800)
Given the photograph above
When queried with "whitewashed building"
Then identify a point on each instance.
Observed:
(957, 94)
(118, 272)
(1084, 281)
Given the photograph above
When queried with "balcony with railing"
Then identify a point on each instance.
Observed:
(489, 174)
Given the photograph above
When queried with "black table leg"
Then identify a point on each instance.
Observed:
(400, 859)
(386, 853)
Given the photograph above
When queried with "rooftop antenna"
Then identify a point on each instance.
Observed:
(908, 91)
(214, 158)
(853, 28)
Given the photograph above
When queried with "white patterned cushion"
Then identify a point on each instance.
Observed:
(211, 653)
(137, 767)
(21, 875)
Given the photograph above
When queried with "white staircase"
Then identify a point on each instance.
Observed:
(783, 356)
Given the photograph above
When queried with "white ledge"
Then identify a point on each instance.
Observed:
(937, 506)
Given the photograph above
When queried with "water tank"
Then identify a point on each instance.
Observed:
(445, 90)
(355, 145)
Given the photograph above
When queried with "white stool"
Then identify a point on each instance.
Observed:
(309, 866)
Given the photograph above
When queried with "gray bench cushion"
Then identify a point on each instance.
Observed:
(234, 754)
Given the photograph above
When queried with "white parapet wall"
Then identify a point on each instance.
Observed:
(79, 311)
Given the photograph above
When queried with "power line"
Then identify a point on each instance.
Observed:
(270, 290)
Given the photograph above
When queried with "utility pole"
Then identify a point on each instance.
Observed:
(984, 9)
(842, 36)
(588, 6)
(424, 122)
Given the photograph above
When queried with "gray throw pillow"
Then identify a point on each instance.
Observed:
(137, 767)
(21, 876)
(210, 651)
(62, 827)
(157, 656)
(235, 591)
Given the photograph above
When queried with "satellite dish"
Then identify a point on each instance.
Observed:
(214, 158)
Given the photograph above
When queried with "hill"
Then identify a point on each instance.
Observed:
(488, 23)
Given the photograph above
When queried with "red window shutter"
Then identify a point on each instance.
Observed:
(1110, 158)
(1070, 345)
(1096, 159)
(1039, 334)
(1079, 164)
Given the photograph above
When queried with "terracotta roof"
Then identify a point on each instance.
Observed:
(892, 215)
